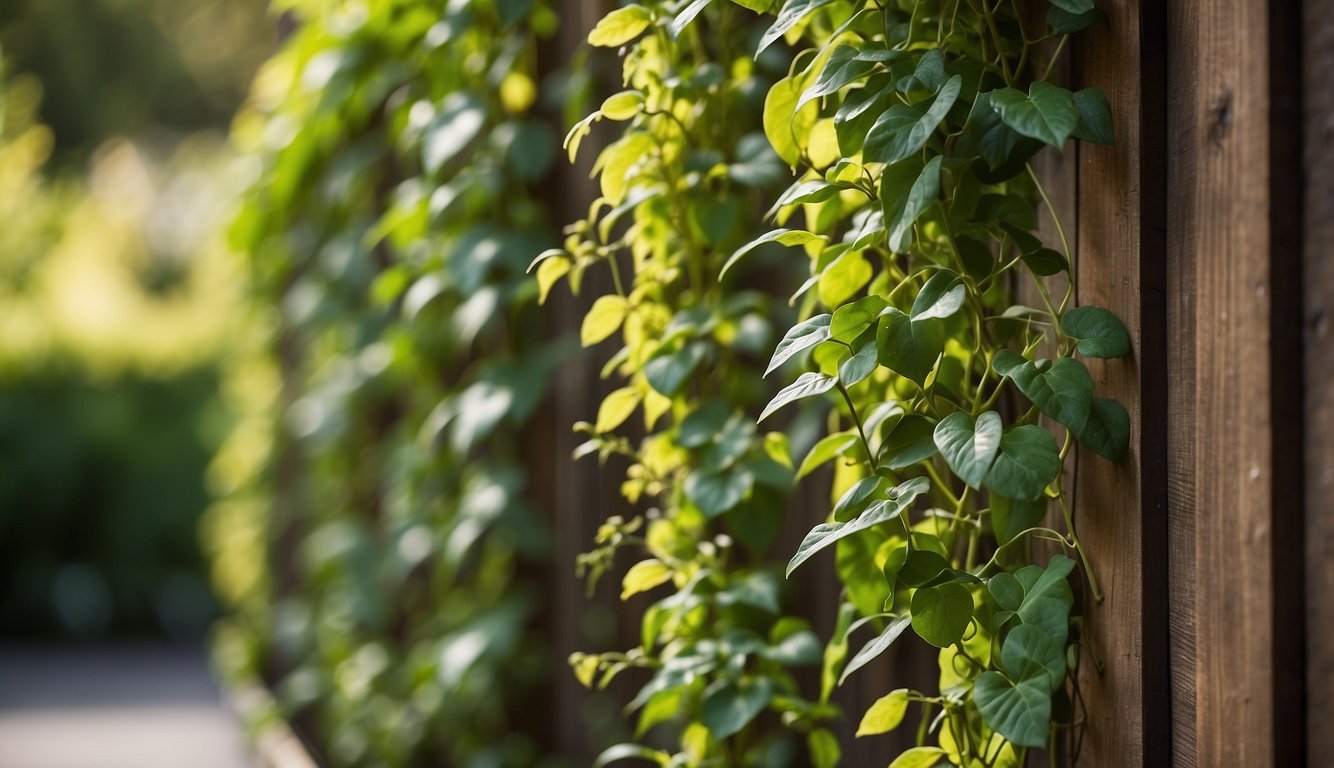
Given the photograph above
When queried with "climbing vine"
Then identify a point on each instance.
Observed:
(913, 125)
(391, 228)
(681, 187)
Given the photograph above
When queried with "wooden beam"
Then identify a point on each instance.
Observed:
(1318, 257)
(1119, 507)
(1230, 274)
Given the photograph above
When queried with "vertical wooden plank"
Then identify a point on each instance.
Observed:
(1318, 51)
(1227, 277)
(1118, 507)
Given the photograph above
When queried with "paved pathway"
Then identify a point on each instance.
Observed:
(113, 707)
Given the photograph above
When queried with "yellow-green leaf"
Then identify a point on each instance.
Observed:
(843, 278)
(884, 715)
(918, 757)
(643, 576)
(620, 26)
(623, 105)
(585, 667)
(548, 272)
(602, 320)
(617, 407)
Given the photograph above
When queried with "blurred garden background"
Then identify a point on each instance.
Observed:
(123, 335)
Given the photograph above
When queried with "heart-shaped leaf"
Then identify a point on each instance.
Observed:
(909, 347)
(1027, 463)
(907, 188)
(1047, 113)
(940, 614)
(1021, 712)
(941, 297)
(903, 130)
(1063, 390)
(1098, 333)
(911, 441)
(1028, 652)
(970, 448)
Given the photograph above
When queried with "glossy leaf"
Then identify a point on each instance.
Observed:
(902, 130)
(969, 447)
(941, 614)
(907, 189)
(793, 11)
(799, 337)
(876, 646)
(1046, 113)
(822, 536)
(808, 384)
(1028, 461)
(909, 347)
(1021, 712)
(620, 26)
(1099, 333)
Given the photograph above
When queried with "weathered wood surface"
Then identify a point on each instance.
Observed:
(1119, 507)
(1228, 274)
(1318, 281)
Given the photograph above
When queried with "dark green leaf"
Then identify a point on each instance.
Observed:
(822, 536)
(730, 705)
(854, 499)
(1062, 390)
(1095, 117)
(1047, 113)
(1029, 653)
(1027, 463)
(1020, 712)
(970, 448)
(862, 362)
(1045, 262)
(1063, 22)
(909, 347)
(668, 373)
(907, 188)
(876, 646)
(940, 615)
(717, 492)
(1007, 590)
(1009, 518)
(1099, 333)
(910, 442)
(1107, 429)
(941, 297)
(903, 130)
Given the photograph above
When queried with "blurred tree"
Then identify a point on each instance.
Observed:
(126, 67)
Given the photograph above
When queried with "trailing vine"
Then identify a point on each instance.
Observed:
(956, 408)
(681, 187)
(398, 629)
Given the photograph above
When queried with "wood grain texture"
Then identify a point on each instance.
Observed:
(1118, 507)
(1319, 310)
(1220, 462)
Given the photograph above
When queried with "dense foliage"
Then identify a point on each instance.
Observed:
(392, 222)
(681, 186)
(911, 126)
(391, 226)
(115, 326)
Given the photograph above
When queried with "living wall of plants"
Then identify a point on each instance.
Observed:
(811, 255)
(388, 231)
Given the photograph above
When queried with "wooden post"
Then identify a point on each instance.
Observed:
(1318, 50)
(1119, 507)
(1230, 362)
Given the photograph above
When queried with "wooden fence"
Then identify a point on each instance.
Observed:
(1206, 227)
